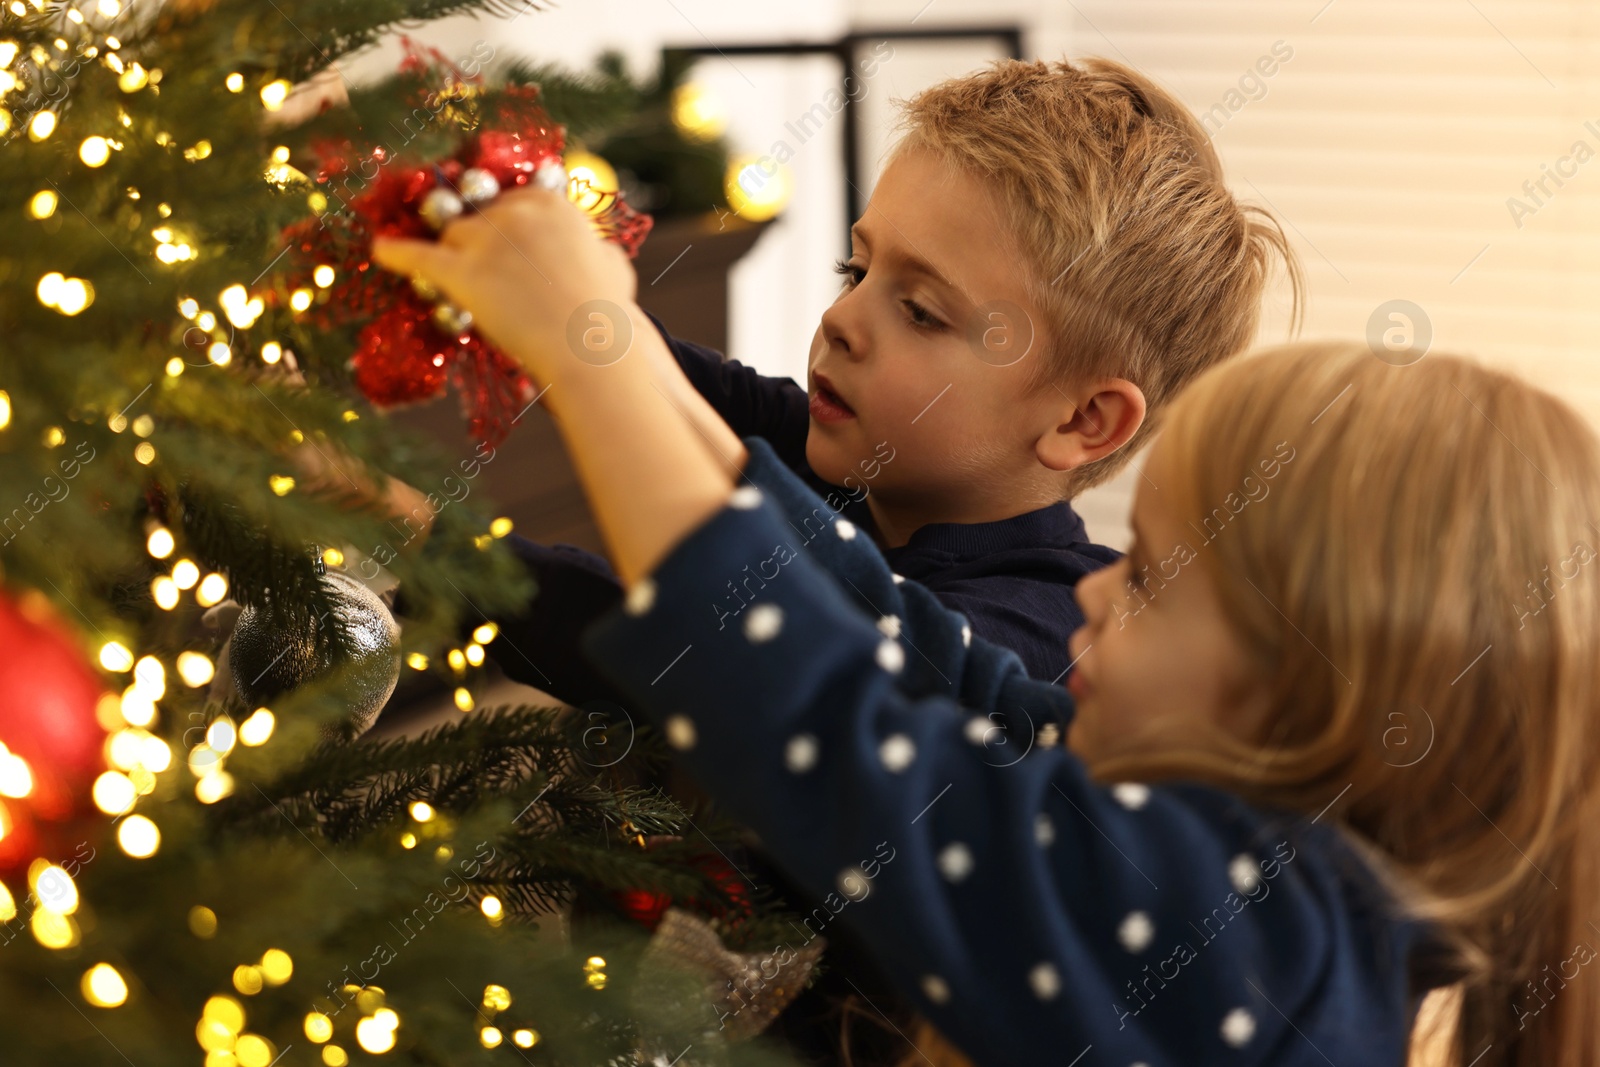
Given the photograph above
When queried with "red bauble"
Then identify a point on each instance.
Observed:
(48, 695)
(646, 908)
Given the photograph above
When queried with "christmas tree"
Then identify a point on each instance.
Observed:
(200, 872)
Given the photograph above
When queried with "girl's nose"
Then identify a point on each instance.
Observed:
(1093, 592)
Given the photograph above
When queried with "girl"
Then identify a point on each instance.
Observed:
(1332, 745)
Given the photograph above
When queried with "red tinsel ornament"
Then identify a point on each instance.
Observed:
(48, 695)
(402, 356)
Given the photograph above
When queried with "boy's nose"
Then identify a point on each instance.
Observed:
(841, 327)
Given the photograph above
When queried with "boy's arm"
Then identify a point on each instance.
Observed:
(1015, 901)
(538, 646)
(752, 404)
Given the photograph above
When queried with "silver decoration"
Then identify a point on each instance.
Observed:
(477, 186)
(439, 207)
(266, 661)
(451, 319)
(552, 175)
(742, 991)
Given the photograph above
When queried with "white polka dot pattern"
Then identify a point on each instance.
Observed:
(763, 623)
(977, 729)
(897, 751)
(853, 883)
(1045, 981)
(936, 989)
(1243, 873)
(800, 754)
(845, 529)
(746, 498)
(1136, 931)
(1238, 1027)
(891, 657)
(955, 861)
(1131, 795)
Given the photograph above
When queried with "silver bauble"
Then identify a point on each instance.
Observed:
(267, 662)
(477, 186)
(439, 207)
(552, 175)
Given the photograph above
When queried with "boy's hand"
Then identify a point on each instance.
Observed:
(525, 266)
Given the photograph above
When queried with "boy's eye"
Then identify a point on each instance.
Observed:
(919, 315)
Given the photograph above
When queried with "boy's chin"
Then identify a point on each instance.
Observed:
(825, 455)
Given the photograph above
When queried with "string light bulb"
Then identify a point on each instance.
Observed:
(374, 1036)
(213, 787)
(274, 93)
(195, 668)
(138, 837)
(255, 730)
(114, 656)
(42, 125)
(94, 151)
(165, 592)
(104, 987)
(160, 543)
(185, 573)
(213, 587)
(114, 793)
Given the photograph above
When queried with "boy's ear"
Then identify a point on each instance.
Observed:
(1099, 418)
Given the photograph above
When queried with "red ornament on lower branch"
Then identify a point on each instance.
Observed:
(53, 742)
(731, 901)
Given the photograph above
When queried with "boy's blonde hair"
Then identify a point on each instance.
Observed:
(1142, 262)
(1421, 588)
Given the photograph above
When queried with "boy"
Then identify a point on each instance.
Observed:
(1049, 255)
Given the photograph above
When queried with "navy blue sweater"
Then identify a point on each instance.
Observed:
(1012, 579)
(1035, 915)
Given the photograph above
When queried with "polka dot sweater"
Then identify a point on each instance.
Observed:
(1034, 915)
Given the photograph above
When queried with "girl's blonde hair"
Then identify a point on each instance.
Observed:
(1141, 261)
(1420, 586)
